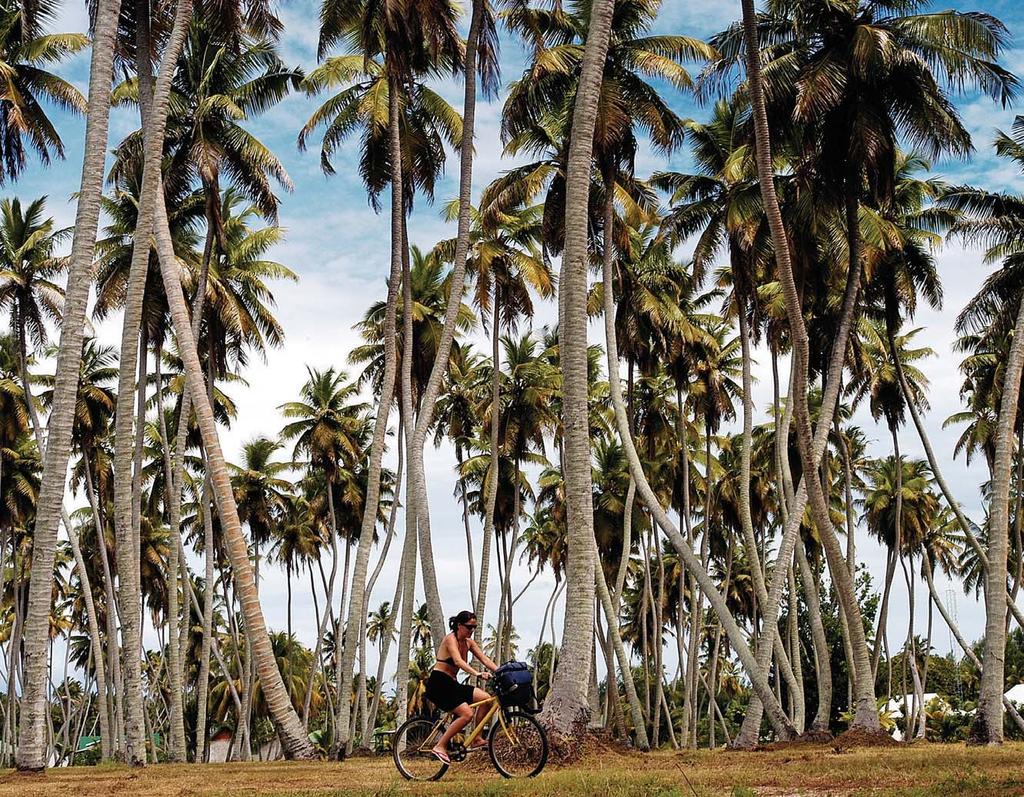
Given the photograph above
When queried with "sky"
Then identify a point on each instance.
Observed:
(339, 248)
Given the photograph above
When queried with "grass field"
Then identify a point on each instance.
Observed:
(816, 771)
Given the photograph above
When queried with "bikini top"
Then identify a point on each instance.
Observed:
(450, 660)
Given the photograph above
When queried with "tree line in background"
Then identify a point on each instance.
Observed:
(807, 226)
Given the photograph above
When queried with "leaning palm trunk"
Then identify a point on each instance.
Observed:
(895, 554)
(965, 525)
(866, 714)
(356, 607)
(294, 742)
(967, 648)
(203, 684)
(988, 722)
(491, 482)
(97, 644)
(154, 104)
(456, 287)
(822, 657)
(31, 753)
(732, 630)
(566, 708)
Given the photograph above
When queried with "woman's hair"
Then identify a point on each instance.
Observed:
(460, 618)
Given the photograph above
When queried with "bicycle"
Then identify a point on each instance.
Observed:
(516, 742)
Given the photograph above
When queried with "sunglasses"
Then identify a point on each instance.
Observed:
(470, 627)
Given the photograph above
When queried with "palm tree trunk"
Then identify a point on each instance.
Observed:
(988, 722)
(369, 520)
(967, 648)
(746, 522)
(97, 644)
(565, 711)
(294, 742)
(31, 754)
(895, 555)
(822, 653)
(456, 288)
(735, 635)
(385, 646)
(491, 485)
(177, 751)
(464, 499)
(797, 697)
(202, 691)
(866, 714)
(408, 573)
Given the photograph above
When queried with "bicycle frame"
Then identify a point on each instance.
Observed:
(495, 708)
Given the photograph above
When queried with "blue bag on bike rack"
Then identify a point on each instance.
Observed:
(513, 681)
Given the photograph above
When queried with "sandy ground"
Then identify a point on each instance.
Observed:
(813, 771)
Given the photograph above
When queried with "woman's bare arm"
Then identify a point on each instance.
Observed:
(461, 663)
(482, 657)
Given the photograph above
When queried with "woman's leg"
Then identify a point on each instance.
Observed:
(479, 695)
(463, 714)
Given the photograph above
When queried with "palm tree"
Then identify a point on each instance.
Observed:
(998, 310)
(28, 266)
(25, 52)
(294, 740)
(32, 750)
(504, 260)
(877, 380)
(327, 426)
(567, 701)
(425, 40)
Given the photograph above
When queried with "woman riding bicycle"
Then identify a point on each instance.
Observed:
(448, 694)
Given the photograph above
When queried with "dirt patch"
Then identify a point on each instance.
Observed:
(859, 738)
(804, 740)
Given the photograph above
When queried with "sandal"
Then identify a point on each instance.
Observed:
(441, 756)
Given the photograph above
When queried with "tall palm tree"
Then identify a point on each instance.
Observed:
(25, 52)
(425, 41)
(28, 266)
(995, 220)
(567, 701)
(877, 380)
(327, 425)
(294, 740)
(504, 260)
(32, 747)
(906, 98)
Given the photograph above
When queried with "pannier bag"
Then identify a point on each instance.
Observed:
(513, 682)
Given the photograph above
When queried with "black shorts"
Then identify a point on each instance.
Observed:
(445, 692)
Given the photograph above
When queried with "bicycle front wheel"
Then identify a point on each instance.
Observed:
(411, 750)
(519, 748)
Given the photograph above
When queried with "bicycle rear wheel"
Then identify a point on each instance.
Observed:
(411, 750)
(519, 749)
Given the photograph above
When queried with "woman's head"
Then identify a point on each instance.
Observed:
(463, 624)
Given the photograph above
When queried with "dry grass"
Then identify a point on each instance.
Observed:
(813, 770)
